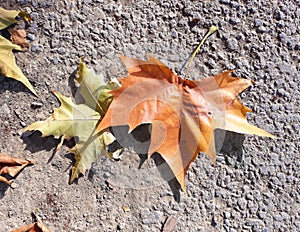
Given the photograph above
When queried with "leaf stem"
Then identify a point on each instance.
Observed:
(211, 30)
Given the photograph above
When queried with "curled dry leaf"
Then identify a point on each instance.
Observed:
(33, 227)
(18, 37)
(183, 113)
(11, 166)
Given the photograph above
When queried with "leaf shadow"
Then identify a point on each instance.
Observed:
(3, 188)
(35, 143)
(168, 175)
(139, 139)
(74, 88)
(13, 86)
(229, 144)
(72, 84)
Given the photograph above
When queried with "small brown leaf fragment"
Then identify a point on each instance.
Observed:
(24, 228)
(33, 227)
(18, 37)
(275, 99)
(11, 166)
(4, 180)
(169, 224)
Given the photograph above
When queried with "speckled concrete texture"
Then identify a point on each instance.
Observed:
(255, 183)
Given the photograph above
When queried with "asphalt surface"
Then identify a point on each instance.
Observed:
(255, 183)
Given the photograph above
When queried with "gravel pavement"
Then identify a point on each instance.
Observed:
(255, 185)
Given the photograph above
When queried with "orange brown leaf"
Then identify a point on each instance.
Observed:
(33, 227)
(18, 37)
(11, 166)
(183, 113)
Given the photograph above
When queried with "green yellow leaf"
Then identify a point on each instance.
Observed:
(86, 154)
(94, 90)
(68, 121)
(96, 95)
(80, 120)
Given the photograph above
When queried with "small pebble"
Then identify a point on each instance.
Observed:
(242, 203)
(36, 104)
(261, 29)
(257, 23)
(227, 214)
(23, 124)
(5, 109)
(31, 37)
(232, 44)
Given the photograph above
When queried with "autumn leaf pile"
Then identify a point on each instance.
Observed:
(183, 113)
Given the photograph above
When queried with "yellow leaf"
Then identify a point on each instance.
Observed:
(8, 17)
(88, 152)
(8, 66)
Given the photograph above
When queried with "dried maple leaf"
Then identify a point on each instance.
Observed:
(183, 113)
(18, 37)
(8, 66)
(11, 166)
(33, 227)
(80, 120)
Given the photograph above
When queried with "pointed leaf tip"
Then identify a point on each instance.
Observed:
(11, 166)
(8, 66)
